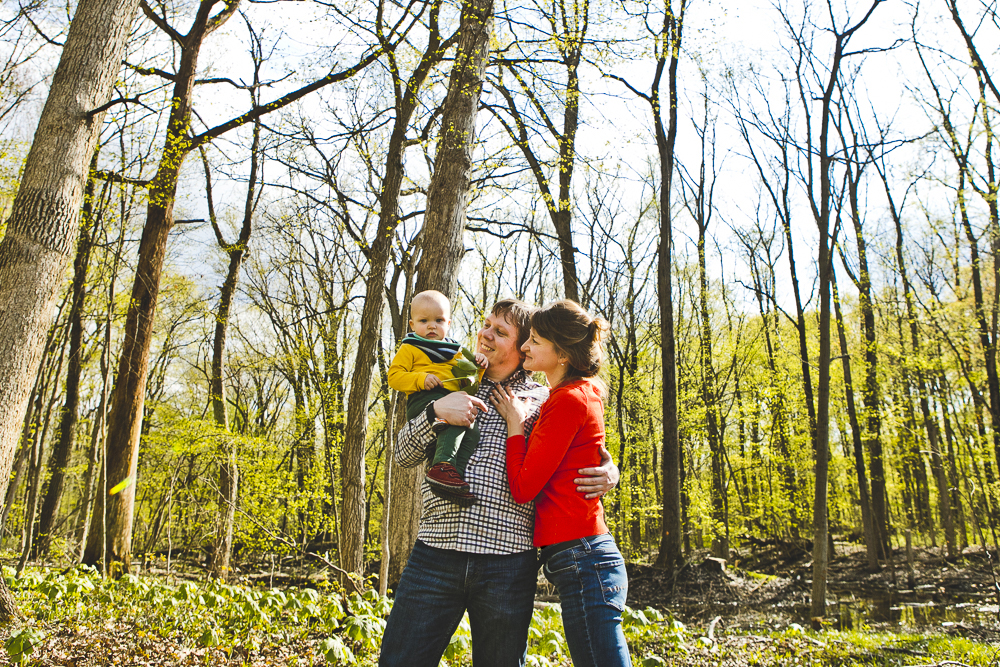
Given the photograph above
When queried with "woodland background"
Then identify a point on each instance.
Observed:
(787, 212)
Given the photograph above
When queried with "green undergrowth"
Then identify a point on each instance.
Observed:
(77, 618)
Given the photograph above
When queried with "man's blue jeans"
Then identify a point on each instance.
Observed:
(592, 585)
(439, 585)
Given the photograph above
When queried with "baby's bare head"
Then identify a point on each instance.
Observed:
(430, 315)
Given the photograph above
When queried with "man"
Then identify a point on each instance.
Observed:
(480, 558)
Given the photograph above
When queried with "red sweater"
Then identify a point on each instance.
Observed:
(566, 437)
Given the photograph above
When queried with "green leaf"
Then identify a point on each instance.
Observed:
(210, 637)
(21, 644)
(464, 368)
(336, 652)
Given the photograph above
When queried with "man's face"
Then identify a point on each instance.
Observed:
(429, 319)
(498, 342)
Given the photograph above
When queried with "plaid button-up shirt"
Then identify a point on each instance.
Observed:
(495, 524)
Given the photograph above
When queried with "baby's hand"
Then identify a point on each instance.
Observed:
(432, 381)
(481, 360)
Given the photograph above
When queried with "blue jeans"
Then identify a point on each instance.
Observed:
(439, 585)
(592, 585)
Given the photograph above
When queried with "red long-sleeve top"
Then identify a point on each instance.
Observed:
(566, 437)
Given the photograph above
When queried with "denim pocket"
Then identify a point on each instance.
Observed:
(614, 582)
(563, 561)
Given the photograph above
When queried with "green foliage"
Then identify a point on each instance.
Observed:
(347, 629)
(209, 615)
(22, 643)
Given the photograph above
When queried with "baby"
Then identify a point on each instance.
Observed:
(426, 367)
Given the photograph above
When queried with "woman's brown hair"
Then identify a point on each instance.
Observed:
(574, 333)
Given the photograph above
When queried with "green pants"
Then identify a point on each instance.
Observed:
(455, 444)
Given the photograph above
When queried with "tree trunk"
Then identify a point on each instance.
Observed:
(228, 469)
(126, 415)
(720, 541)
(821, 202)
(45, 215)
(353, 512)
(670, 556)
(63, 449)
(864, 500)
(38, 454)
(441, 240)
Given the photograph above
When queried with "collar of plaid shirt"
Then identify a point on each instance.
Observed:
(495, 524)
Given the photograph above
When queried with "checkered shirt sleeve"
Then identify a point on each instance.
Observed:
(495, 524)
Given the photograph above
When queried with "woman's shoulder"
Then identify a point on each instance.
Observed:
(582, 390)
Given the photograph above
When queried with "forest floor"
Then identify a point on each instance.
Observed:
(773, 587)
(752, 612)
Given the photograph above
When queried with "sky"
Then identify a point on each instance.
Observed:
(719, 36)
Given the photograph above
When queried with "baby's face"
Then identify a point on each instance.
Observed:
(429, 319)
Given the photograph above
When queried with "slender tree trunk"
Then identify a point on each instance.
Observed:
(720, 542)
(126, 416)
(867, 520)
(353, 512)
(670, 556)
(228, 468)
(38, 454)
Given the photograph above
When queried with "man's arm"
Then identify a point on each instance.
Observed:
(457, 408)
(412, 441)
(598, 481)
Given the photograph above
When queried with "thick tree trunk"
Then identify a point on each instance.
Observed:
(63, 449)
(441, 240)
(44, 217)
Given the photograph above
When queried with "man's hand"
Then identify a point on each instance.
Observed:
(431, 381)
(597, 481)
(460, 409)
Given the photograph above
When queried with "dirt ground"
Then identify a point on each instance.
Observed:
(774, 586)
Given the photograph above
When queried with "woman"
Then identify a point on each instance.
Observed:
(578, 554)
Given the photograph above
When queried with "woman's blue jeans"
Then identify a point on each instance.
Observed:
(436, 589)
(592, 585)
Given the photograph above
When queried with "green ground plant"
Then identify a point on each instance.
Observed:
(76, 617)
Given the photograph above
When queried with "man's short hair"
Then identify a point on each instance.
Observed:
(518, 313)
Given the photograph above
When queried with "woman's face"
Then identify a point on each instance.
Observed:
(541, 355)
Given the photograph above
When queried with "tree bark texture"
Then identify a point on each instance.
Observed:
(63, 448)
(441, 241)
(45, 215)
